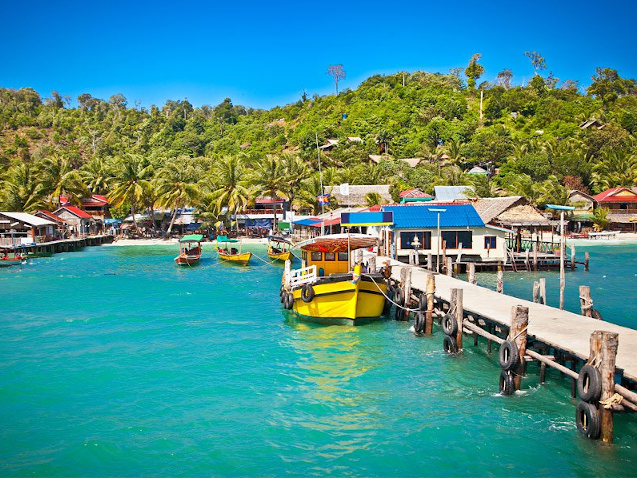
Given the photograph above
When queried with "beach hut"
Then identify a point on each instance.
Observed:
(79, 222)
(20, 228)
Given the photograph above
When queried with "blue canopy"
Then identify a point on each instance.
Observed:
(193, 226)
(365, 219)
(307, 222)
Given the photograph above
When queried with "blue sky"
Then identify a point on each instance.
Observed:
(263, 53)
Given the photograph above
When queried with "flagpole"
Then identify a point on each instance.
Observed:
(321, 188)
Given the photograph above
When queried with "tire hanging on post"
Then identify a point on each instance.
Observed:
(589, 383)
(507, 385)
(508, 355)
(449, 325)
(449, 344)
(588, 419)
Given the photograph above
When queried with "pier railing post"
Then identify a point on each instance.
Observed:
(607, 371)
(372, 264)
(586, 303)
(456, 299)
(543, 291)
(518, 333)
(449, 267)
(586, 261)
(536, 292)
(430, 291)
(471, 273)
(430, 261)
(535, 255)
(573, 256)
(500, 281)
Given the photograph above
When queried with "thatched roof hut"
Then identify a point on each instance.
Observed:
(515, 211)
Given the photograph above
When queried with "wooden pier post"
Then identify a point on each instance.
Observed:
(358, 257)
(607, 371)
(459, 257)
(536, 292)
(456, 299)
(518, 333)
(526, 260)
(430, 292)
(500, 280)
(535, 255)
(372, 264)
(573, 256)
(430, 261)
(543, 291)
(449, 267)
(586, 261)
(586, 303)
(471, 273)
(405, 275)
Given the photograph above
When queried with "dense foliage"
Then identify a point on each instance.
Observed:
(220, 158)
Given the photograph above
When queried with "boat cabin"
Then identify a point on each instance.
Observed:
(332, 253)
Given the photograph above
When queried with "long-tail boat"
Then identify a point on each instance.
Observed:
(279, 249)
(190, 250)
(232, 254)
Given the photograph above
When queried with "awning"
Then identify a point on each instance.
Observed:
(366, 219)
(191, 238)
(307, 222)
(192, 227)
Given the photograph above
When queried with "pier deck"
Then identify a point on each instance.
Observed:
(562, 330)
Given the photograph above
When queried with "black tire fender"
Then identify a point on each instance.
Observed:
(422, 302)
(397, 296)
(307, 293)
(507, 385)
(588, 419)
(449, 324)
(449, 344)
(400, 314)
(419, 322)
(508, 355)
(288, 301)
(589, 383)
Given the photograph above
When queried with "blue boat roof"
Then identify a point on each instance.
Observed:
(426, 216)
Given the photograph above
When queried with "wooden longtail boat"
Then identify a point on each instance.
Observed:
(190, 250)
(279, 249)
(326, 290)
(232, 254)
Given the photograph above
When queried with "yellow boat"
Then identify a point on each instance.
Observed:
(232, 254)
(279, 249)
(325, 290)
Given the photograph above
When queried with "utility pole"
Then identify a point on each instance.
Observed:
(321, 188)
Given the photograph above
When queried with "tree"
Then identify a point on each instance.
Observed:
(131, 182)
(538, 62)
(504, 78)
(230, 176)
(268, 180)
(608, 86)
(474, 70)
(338, 73)
(600, 215)
(294, 172)
(22, 189)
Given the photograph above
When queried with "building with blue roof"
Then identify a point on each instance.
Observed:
(456, 228)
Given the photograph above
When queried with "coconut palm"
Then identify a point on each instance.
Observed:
(96, 175)
(131, 183)
(176, 186)
(373, 198)
(60, 178)
(228, 185)
(23, 189)
(267, 179)
(295, 172)
(614, 170)
(600, 215)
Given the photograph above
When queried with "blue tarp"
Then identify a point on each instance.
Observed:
(193, 227)
(307, 222)
(259, 222)
(110, 221)
(423, 216)
(366, 218)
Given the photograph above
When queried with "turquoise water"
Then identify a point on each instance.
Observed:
(115, 362)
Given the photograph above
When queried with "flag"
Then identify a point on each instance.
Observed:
(323, 199)
(344, 189)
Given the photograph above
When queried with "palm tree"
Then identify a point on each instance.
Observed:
(615, 170)
(230, 186)
(600, 215)
(176, 186)
(131, 182)
(268, 181)
(96, 175)
(62, 179)
(295, 172)
(373, 198)
(22, 189)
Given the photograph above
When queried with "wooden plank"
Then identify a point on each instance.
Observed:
(559, 329)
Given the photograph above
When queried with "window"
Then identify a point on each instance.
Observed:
(407, 238)
(329, 257)
(343, 256)
(489, 242)
(455, 238)
(316, 256)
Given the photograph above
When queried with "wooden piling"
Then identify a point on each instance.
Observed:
(543, 291)
(586, 303)
(372, 264)
(526, 260)
(430, 261)
(471, 273)
(456, 305)
(535, 256)
(430, 292)
(518, 333)
(573, 256)
(449, 267)
(405, 275)
(500, 280)
(586, 261)
(607, 371)
(536, 292)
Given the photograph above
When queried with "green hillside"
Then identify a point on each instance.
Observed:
(529, 136)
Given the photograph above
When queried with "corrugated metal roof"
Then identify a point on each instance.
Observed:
(28, 219)
(423, 216)
(451, 193)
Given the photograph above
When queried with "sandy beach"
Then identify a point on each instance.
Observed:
(128, 242)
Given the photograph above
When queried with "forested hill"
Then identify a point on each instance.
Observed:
(531, 134)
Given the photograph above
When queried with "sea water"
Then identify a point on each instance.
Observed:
(115, 362)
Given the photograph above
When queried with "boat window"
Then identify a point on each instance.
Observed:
(329, 257)
(343, 256)
(316, 256)
(304, 255)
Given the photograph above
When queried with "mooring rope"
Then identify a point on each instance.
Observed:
(385, 296)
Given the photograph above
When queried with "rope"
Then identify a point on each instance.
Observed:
(615, 399)
(385, 296)
(588, 303)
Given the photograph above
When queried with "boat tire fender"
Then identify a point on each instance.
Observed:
(588, 419)
(508, 355)
(400, 314)
(589, 383)
(288, 301)
(449, 325)
(507, 385)
(307, 293)
(423, 302)
(397, 296)
(449, 344)
(419, 323)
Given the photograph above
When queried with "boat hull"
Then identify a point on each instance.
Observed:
(187, 260)
(239, 258)
(281, 257)
(339, 301)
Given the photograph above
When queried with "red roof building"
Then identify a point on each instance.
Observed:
(78, 221)
(617, 195)
(622, 203)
